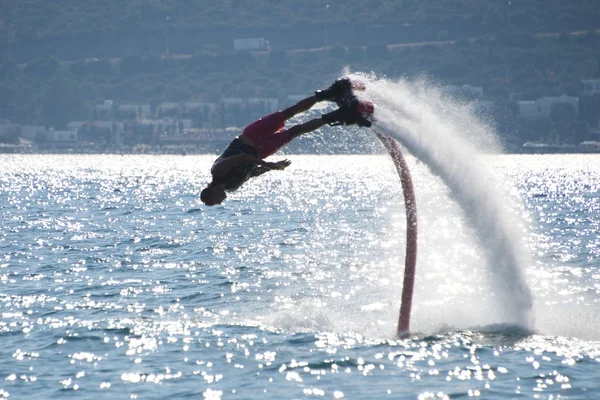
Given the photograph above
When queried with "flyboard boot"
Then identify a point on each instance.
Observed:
(355, 113)
(351, 111)
(339, 90)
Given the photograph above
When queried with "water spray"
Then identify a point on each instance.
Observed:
(449, 138)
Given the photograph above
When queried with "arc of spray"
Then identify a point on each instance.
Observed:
(410, 203)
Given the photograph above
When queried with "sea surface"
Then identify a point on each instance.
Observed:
(116, 282)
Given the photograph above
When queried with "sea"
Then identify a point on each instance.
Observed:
(116, 282)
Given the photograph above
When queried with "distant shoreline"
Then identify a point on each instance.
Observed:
(525, 151)
(541, 148)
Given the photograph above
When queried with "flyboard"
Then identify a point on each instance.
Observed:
(365, 119)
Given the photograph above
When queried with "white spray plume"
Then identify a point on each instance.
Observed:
(450, 140)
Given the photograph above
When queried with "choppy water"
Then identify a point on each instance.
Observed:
(115, 282)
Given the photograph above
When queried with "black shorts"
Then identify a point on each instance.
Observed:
(240, 174)
(238, 147)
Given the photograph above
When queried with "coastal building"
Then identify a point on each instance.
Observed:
(132, 111)
(109, 110)
(165, 127)
(191, 106)
(76, 125)
(168, 109)
(104, 132)
(251, 44)
(542, 107)
(104, 110)
(203, 113)
(62, 136)
(591, 86)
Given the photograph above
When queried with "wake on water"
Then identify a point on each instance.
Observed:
(449, 139)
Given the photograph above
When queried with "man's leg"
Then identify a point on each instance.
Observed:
(339, 88)
(347, 115)
(344, 115)
(306, 127)
(300, 107)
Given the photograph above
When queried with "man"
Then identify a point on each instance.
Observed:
(244, 157)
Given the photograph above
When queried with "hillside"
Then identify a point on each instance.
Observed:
(60, 59)
(74, 29)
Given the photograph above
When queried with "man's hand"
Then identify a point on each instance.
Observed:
(280, 164)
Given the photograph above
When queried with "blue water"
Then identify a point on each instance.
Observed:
(116, 282)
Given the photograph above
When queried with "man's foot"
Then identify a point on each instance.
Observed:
(351, 114)
(342, 87)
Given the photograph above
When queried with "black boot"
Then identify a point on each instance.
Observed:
(344, 115)
(347, 115)
(336, 117)
(340, 88)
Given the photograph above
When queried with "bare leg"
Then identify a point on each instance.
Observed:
(300, 107)
(306, 127)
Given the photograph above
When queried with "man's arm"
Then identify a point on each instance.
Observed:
(259, 171)
(262, 169)
(222, 167)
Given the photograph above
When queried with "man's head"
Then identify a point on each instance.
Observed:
(213, 194)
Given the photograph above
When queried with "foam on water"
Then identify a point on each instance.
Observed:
(451, 140)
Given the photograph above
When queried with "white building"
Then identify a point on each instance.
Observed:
(528, 109)
(104, 110)
(591, 86)
(62, 136)
(167, 108)
(182, 125)
(76, 125)
(541, 108)
(138, 110)
(114, 127)
(251, 44)
(232, 101)
(167, 127)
